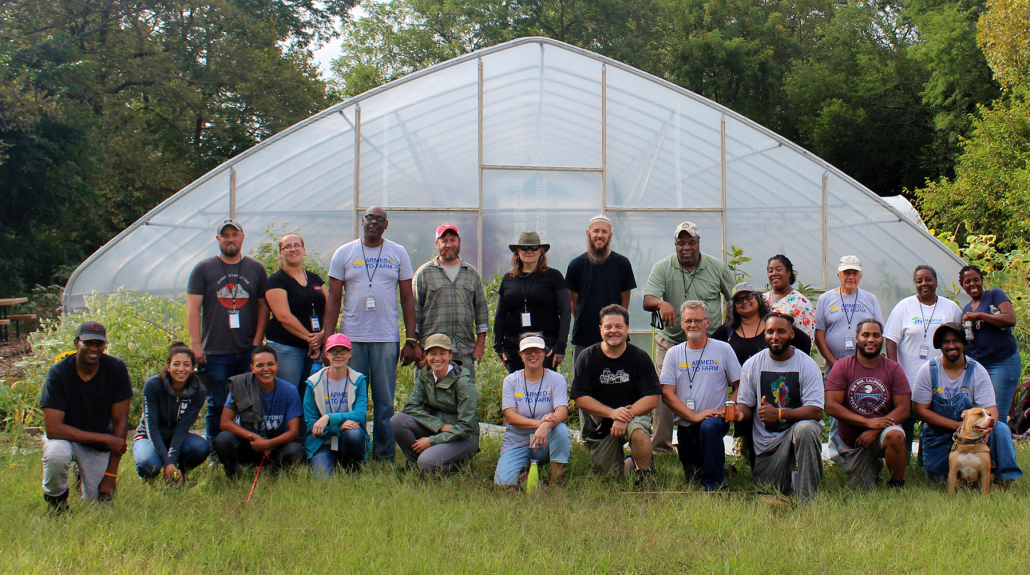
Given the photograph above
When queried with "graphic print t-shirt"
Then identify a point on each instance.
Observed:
(532, 400)
(353, 263)
(618, 382)
(787, 384)
(867, 392)
(280, 405)
(228, 287)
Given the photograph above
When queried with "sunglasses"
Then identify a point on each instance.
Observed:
(744, 298)
(530, 248)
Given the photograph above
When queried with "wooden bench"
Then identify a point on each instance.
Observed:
(20, 317)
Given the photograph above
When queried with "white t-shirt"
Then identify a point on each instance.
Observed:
(794, 383)
(713, 369)
(911, 325)
(532, 400)
(981, 390)
(354, 264)
(838, 315)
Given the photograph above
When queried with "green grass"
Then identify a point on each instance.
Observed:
(385, 520)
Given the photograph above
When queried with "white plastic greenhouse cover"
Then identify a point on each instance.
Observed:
(537, 135)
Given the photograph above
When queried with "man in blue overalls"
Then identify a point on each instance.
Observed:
(944, 388)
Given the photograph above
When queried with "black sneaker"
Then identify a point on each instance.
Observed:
(645, 479)
(58, 504)
(895, 484)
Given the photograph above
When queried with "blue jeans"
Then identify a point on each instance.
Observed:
(701, 449)
(294, 364)
(378, 361)
(514, 460)
(219, 369)
(350, 453)
(1005, 377)
(148, 463)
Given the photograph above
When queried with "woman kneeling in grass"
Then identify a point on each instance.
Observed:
(335, 401)
(536, 404)
(171, 402)
(438, 427)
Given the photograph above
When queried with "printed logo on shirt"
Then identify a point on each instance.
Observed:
(534, 396)
(782, 390)
(850, 308)
(385, 263)
(948, 392)
(867, 395)
(272, 422)
(609, 378)
(700, 365)
(227, 293)
(916, 320)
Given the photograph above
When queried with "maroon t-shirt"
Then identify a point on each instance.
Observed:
(867, 392)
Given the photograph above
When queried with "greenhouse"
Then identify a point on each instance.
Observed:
(536, 135)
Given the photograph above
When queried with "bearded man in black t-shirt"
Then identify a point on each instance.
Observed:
(616, 387)
(85, 403)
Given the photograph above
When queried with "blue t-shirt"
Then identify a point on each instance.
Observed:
(280, 405)
(990, 343)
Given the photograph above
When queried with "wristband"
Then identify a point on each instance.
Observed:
(106, 474)
(779, 413)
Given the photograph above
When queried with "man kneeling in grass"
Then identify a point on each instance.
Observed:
(262, 417)
(616, 387)
(870, 397)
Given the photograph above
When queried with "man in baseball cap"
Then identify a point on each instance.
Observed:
(450, 299)
(85, 403)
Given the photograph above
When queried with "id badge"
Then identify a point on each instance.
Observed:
(334, 443)
(234, 319)
(525, 319)
(315, 324)
(924, 352)
(690, 403)
(849, 343)
(370, 303)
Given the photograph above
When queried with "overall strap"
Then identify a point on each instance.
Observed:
(934, 378)
(968, 375)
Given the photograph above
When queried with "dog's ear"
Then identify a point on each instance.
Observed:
(964, 413)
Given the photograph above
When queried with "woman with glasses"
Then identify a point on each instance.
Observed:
(335, 402)
(784, 298)
(297, 301)
(532, 297)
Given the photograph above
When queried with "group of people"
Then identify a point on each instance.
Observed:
(287, 364)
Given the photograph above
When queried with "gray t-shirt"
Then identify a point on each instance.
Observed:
(839, 315)
(794, 383)
(532, 400)
(354, 264)
(981, 390)
(228, 287)
(713, 369)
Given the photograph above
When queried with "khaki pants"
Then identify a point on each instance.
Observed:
(661, 441)
(608, 454)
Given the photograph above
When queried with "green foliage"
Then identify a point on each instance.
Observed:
(735, 262)
(267, 252)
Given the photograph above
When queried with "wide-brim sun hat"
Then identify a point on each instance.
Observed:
(529, 240)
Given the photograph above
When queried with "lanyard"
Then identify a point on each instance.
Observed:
(539, 389)
(697, 365)
(343, 400)
(527, 284)
(926, 324)
(844, 308)
(236, 286)
(365, 258)
(693, 276)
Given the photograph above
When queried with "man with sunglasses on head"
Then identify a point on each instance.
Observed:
(226, 315)
(365, 278)
(85, 403)
(685, 275)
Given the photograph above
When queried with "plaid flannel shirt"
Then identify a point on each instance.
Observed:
(458, 310)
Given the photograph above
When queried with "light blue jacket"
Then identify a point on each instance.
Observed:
(315, 407)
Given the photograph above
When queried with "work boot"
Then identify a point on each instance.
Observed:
(58, 504)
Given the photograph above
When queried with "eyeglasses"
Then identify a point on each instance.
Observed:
(743, 298)
(371, 219)
(694, 321)
(337, 351)
(291, 247)
(530, 248)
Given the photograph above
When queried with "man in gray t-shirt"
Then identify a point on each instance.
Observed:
(696, 376)
(782, 389)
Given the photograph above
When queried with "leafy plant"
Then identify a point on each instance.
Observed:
(735, 261)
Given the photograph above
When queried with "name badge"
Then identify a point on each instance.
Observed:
(924, 352)
(315, 324)
(370, 303)
(334, 443)
(849, 343)
(690, 403)
(234, 319)
(525, 319)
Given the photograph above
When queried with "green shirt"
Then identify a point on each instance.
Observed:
(670, 282)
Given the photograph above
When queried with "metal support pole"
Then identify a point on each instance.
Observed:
(722, 178)
(357, 166)
(826, 229)
(479, 146)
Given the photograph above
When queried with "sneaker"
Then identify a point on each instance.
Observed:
(895, 484)
(57, 504)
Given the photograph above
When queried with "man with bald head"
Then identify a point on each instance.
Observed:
(365, 277)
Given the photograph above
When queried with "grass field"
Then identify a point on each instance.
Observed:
(386, 520)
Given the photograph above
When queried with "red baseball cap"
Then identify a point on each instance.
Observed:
(444, 228)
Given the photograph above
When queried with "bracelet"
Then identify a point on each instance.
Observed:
(106, 474)
(779, 413)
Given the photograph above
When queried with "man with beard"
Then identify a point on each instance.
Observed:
(945, 387)
(695, 378)
(782, 390)
(365, 277)
(685, 275)
(225, 315)
(617, 387)
(596, 278)
(870, 396)
(450, 299)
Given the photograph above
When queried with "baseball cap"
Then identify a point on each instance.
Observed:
(850, 263)
(337, 340)
(440, 231)
(743, 287)
(230, 222)
(439, 340)
(532, 342)
(91, 330)
(946, 327)
(688, 227)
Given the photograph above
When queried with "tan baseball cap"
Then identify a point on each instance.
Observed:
(439, 340)
(850, 263)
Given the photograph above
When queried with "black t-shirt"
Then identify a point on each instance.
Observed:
(303, 301)
(598, 285)
(746, 347)
(86, 404)
(546, 297)
(618, 382)
(228, 288)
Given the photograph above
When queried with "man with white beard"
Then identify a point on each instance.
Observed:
(596, 278)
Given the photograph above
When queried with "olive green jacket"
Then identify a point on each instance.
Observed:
(453, 401)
